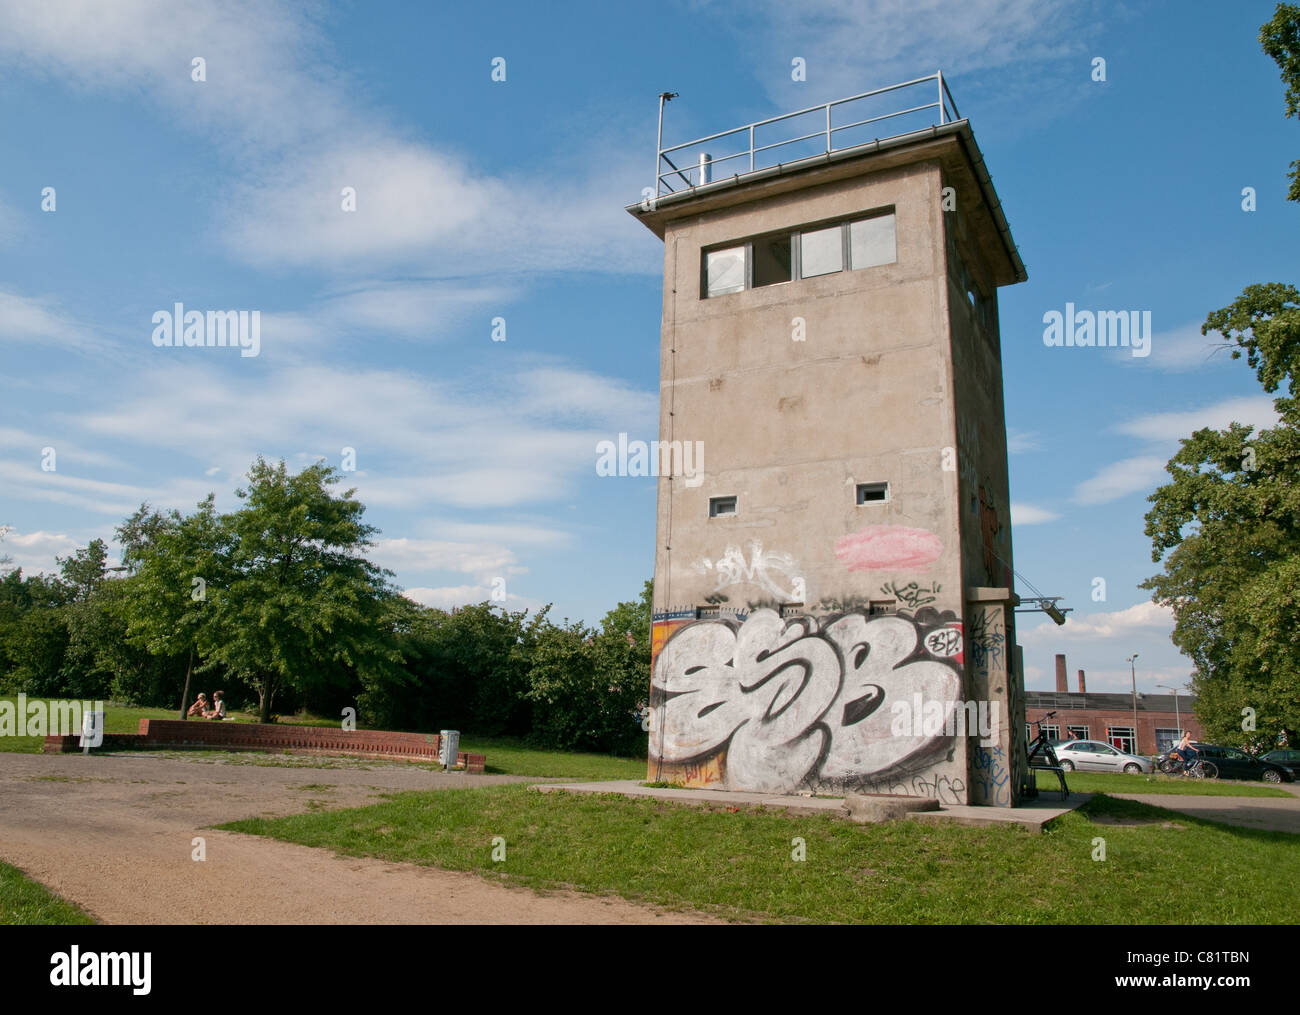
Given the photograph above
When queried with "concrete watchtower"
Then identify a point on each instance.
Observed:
(833, 591)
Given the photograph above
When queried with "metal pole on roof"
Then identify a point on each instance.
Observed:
(659, 140)
(942, 112)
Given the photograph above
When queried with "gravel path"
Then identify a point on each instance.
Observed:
(1270, 813)
(113, 833)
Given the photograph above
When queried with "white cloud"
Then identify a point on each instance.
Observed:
(33, 445)
(1019, 441)
(1142, 617)
(27, 319)
(483, 560)
(36, 551)
(1183, 349)
(270, 78)
(1131, 475)
(25, 481)
(496, 439)
(275, 107)
(463, 595)
(1254, 410)
(1144, 473)
(854, 45)
(1028, 514)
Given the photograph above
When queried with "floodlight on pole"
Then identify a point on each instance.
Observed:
(1133, 677)
(1177, 721)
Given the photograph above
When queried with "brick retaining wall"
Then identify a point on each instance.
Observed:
(233, 736)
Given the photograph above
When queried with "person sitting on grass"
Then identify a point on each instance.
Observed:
(200, 707)
(218, 707)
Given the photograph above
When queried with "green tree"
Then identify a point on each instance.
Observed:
(86, 570)
(295, 590)
(1228, 524)
(588, 687)
(1280, 39)
(172, 559)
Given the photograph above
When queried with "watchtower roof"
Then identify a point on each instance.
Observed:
(905, 123)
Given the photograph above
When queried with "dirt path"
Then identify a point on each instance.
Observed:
(113, 834)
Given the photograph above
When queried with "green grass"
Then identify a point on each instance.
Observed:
(117, 719)
(24, 901)
(1172, 868)
(507, 756)
(1115, 782)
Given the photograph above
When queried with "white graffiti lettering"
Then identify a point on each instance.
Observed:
(793, 705)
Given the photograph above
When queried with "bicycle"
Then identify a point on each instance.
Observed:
(1041, 748)
(1041, 743)
(1173, 763)
(1202, 769)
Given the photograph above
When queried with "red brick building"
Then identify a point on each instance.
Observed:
(1109, 717)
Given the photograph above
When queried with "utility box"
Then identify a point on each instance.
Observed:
(448, 747)
(92, 730)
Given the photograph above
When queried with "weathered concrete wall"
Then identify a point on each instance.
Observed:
(984, 504)
(790, 427)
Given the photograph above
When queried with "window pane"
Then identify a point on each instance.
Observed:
(721, 506)
(821, 252)
(725, 270)
(871, 242)
(868, 492)
(772, 260)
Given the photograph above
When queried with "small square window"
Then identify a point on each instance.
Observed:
(821, 252)
(773, 260)
(709, 612)
(719, 506)
(792, 610)
(724, 271)
(872, 493)
(882, 607)
(872, 242)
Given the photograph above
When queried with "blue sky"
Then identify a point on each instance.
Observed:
(479, 199)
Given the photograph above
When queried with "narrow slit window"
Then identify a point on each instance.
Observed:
(882, 607)
(708, 612)
(872, 241)
(719, 506)
(873, 493)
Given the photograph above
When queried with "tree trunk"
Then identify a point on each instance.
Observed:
(264, 694)
(185, 695)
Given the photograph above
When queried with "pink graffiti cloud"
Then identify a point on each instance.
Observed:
(888, 548)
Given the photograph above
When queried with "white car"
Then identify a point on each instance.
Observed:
(1095, 756)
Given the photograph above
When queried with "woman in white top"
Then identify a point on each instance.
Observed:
(218, 706)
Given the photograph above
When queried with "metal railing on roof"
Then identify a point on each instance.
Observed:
(690, 165)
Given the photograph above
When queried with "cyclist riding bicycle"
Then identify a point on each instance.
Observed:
(1187, 752)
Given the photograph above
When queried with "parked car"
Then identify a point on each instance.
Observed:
(1235, 764)
(1289, 760)
(1095, 756)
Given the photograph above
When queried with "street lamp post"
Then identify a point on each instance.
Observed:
(1133, 676)
(1177, 720)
